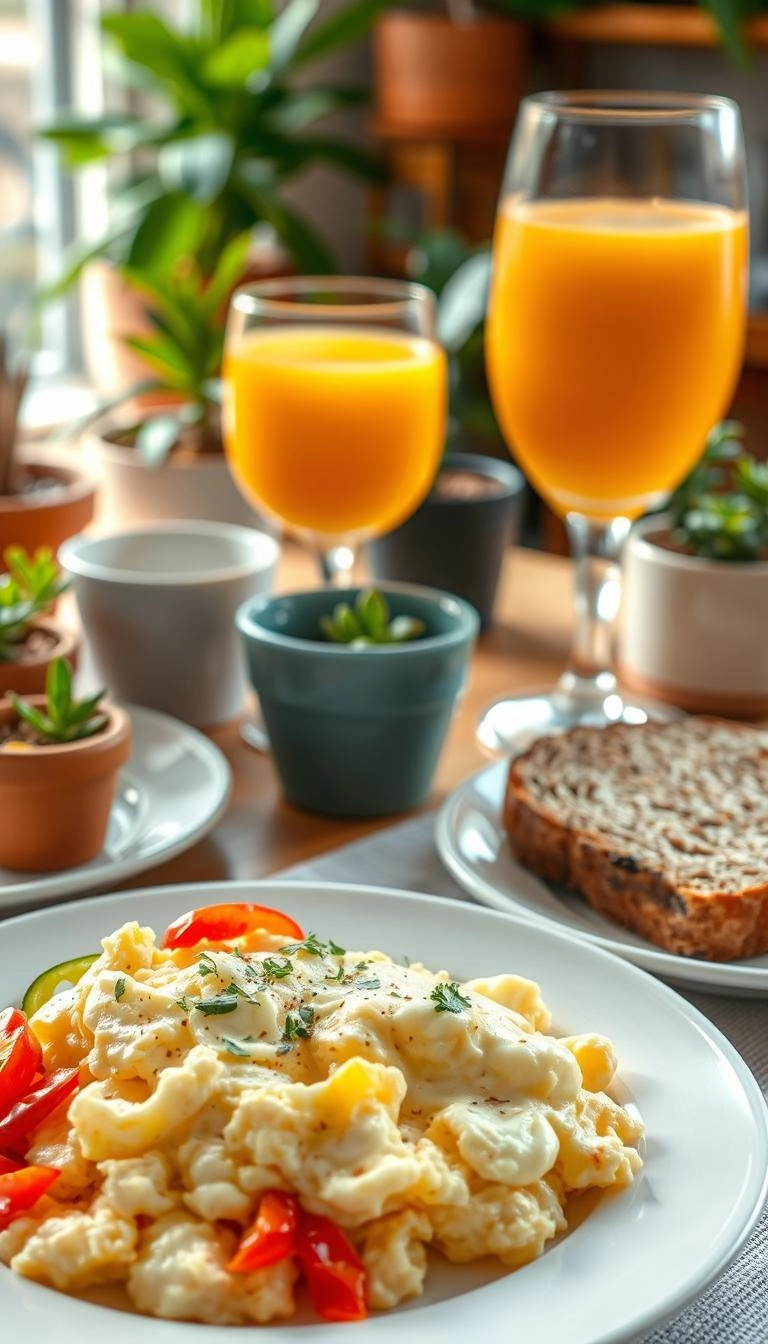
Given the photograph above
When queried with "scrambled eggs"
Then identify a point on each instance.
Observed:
(411, 1110)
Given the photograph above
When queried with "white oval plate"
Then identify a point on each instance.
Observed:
(170, 793)
(472, 843)
(638, 1258)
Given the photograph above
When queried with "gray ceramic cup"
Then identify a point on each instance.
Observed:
(158, 607)
(357, 732)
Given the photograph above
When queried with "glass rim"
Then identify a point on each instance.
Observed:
(367, 295)
(628, 105)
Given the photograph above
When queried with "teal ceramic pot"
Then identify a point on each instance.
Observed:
(356, 732)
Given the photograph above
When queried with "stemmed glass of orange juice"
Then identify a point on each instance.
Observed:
(335, 406)
(614, 338)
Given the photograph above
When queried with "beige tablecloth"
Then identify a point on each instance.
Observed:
(735, 1309)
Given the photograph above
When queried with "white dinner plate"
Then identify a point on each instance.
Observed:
(472, 843)
(172, 790)
(638, 1258)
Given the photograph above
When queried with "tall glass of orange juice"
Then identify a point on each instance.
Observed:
(335, 403)
(614, 338)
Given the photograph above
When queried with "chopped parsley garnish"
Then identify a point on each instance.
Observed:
(119, 989)
(182, 1004)
(313, 947)
(206, 965)
(222, 1003)
(368, 984)
(448, 998)
(362, 965)
(276, 970)
(298, 1025)
(338, 977)
(232, 1047)
(239, 993)
(393, 994)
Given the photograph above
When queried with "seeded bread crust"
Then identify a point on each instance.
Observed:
(662, 827)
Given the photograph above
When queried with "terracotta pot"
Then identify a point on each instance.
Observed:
(433, 74)
(186, 486)
(26, 675)
(692, 632)
(46, 516)
(55, 801)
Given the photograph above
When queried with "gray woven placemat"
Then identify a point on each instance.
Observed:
(734, 1310)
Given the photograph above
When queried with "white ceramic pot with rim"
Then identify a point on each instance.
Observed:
(158, 604)
(187, 485)
(693, 632)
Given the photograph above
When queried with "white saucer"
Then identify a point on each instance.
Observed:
(172, 791)
(472, 844)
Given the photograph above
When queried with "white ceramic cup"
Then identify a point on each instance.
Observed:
(158, 605)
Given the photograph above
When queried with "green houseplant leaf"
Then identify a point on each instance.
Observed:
(227, 127)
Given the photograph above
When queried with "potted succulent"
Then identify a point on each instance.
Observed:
(42, 500)
(357, 690)
(457, 539)
(693, 631)
(30, 636)
(59, 760)
(228, 116)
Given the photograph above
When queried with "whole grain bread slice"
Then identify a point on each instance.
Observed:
(662, 827)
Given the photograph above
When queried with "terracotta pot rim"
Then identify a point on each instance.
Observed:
(641, 541)
(73, 484)
(405, 18)
(116, 733)
(66, 642)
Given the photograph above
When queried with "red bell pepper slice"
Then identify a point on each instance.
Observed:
(8, 1163)
(30, 1110)
(20, 1057)
(212, 924)
(334, 1272)
(20, 1190)
(271, 1237)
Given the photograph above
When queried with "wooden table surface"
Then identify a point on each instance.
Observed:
(260, 833)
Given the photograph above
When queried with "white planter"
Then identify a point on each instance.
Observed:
(158, 607)
(693, 632)
(133, 495)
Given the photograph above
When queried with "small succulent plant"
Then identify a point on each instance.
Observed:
(368, 622)
(29, 588)
(720, 511)
(63, 718)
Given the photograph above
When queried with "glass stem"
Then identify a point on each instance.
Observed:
(337, 563)
(595, 548)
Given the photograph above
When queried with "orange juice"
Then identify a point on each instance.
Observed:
(614, 341)
(336, 431)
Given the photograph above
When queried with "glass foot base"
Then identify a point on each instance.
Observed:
(510, 725)
(253, 729)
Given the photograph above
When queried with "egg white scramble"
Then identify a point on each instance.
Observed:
(413, 1111)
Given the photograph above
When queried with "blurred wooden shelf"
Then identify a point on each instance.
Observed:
(649, 25)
